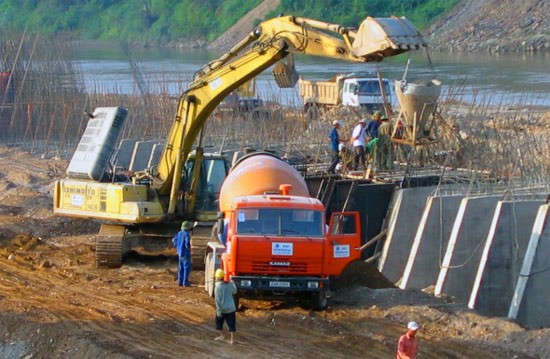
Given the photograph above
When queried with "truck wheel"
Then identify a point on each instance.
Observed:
(319, 300)
(209, 275)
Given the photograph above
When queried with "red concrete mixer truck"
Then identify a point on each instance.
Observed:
(273, 240)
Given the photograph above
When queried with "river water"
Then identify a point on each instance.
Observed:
(479, 78)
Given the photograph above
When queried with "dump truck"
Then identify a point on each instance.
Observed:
(148, 206)
(273, 238)
(363, 91)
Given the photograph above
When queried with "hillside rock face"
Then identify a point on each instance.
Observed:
(494, 26)
(244, 26)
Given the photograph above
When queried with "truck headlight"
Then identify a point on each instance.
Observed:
(246, 283)
(313, 284)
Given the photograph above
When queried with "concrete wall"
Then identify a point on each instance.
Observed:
(430, 242)
(465, 246)
(502, 257)
(530, 301)
(407, 207)
(141, 155)
(124, 153)
(156, 152)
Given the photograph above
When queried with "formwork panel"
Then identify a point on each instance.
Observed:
(530, 301)
(124, 153)
(502, 257)
(406, 211)
(465, 246)
(141, 155)
(430, 242)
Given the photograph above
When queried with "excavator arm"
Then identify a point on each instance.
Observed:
(270, 42)
(147, 207)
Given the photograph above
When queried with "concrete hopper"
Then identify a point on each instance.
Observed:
(418, 102)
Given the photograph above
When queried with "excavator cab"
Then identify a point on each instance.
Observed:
(214, 169)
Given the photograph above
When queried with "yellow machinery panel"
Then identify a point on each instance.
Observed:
(98, 197)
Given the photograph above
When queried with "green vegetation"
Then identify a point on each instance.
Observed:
(163, 21)
(351, 12)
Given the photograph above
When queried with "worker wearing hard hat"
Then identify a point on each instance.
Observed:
(346, 158)
(225, 305)
(407, 346)
(372, 127)
(182, 242)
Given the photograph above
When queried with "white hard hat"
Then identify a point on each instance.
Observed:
(335, 122)
(341, 146)
(364, 120)
(413, 326)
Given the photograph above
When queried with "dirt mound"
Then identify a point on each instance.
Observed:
(359, 273)
(244, 26)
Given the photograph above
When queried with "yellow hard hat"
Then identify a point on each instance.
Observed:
(219, 274)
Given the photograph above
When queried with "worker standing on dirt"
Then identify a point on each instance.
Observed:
(225, 305)
(407, 346)
(182, 242)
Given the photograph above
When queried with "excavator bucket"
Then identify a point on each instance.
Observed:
(386, 37)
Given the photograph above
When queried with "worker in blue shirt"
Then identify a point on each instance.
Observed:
(182, 242)
(372, 127)
(334, 138)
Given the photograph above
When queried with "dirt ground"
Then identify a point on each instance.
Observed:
(55, 304)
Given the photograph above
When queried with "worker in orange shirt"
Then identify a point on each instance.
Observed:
(407, 346)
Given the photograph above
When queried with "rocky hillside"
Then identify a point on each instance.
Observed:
(494, 26)
(474, 25)
(244, 26)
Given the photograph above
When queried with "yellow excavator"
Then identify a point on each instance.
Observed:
(150, 205)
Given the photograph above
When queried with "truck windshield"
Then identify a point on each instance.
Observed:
(280, 222)
(372, 88)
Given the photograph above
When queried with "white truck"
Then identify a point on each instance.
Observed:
(366, 91)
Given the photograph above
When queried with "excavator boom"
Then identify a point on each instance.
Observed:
(270, 42)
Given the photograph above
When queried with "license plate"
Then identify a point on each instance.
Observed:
(279, 284)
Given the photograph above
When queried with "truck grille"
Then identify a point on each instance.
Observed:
(265, 267)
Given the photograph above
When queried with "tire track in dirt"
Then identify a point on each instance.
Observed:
(103, 311)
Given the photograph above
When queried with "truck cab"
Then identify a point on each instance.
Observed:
(366, 92)
(279, 246)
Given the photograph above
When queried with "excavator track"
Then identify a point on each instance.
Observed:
(109, 246)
